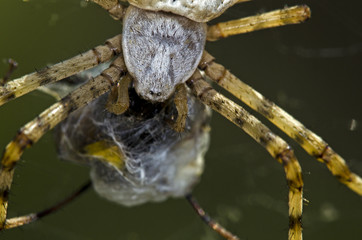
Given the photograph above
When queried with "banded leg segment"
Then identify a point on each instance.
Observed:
(79, 63)
(291, 15)
(47, 120)
(276, 146)
(309, 141)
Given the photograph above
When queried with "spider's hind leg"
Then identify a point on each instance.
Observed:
(276, 146)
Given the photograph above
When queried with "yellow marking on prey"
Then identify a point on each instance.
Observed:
(106, 152)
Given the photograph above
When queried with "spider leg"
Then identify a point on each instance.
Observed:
(113, 7)
(48, 119)
(208, 220)
(26, 219)
(291, 15)
(79, 63)
(309, 141)
(276, 146)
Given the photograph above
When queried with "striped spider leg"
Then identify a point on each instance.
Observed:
(27, 83)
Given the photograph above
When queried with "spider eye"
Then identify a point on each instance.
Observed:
(158, 94)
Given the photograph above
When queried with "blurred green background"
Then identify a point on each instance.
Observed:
(312, 70)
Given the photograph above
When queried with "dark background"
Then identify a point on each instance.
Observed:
(312, 70)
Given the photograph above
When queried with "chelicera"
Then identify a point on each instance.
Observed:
(163, 51)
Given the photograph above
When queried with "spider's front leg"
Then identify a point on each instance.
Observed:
(276, 146)
(280, 17)
(34, 130)
(25, 84)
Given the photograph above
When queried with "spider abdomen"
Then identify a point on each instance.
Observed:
(161, 50)
(197, 10)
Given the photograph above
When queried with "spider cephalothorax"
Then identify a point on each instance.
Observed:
(161, 50)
